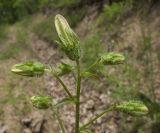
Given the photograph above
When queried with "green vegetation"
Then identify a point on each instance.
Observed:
(13, 10)
(111, 13)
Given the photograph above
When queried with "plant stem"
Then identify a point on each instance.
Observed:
(95, 118)
(64, 87)
(77, 118)
(56, 113)
(51, 71)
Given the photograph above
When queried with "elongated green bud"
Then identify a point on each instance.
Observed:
(69, 41)
(63, 69)
(29, 68)
(134, 108)
(41, 102)
(112, 58)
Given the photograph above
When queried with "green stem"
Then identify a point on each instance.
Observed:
(77, 118)
(64, 87)
(95, 118)
(56, 113)
(51, 71)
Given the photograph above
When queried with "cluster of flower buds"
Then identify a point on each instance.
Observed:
(134, 108)
(41, 102)
(111, 58)
(29, 68)
(69, 41)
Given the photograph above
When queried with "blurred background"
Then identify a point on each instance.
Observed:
(130, 27)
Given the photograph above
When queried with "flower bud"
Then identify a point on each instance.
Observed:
(41, 102)
(112, 58)
(63, 69)
(29, 68)
(68, 39)
(134, 108)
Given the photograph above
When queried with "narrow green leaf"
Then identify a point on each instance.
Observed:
(89, 74)
(63, 102)
(87, 130)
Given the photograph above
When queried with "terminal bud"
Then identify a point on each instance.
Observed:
(69, 41)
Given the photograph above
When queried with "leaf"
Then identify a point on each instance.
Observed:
(89, 74)
(63, 102)
(87, 130)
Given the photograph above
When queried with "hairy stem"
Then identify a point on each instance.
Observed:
(64, 87)
(77, 118)
(51, 71)
(95, 118)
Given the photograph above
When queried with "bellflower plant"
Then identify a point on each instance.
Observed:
(70, 43)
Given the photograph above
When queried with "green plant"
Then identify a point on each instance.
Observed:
(70, 44)
(114, 12)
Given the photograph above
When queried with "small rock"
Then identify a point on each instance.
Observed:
(37, 122)
(26, 121)
(27, 130)
(3, 128)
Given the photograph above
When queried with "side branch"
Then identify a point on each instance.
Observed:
(95, 118)
(64, 87)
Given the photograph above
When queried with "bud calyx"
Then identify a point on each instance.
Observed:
(69, 41)
(112, 58)
(135, 108)
(29, 68)
(41, 102)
